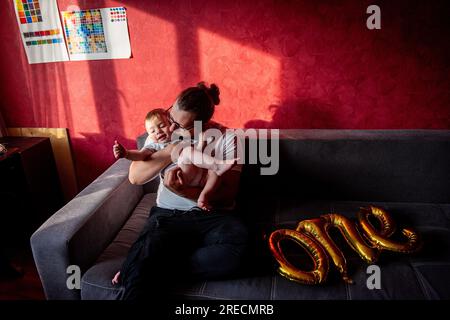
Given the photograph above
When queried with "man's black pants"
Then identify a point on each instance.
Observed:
(175, 244)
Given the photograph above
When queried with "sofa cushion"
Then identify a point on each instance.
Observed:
(421, 276)
(96, 282)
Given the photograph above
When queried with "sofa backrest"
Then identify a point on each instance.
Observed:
(358, 165)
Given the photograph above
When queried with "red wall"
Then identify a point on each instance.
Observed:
(279, 64)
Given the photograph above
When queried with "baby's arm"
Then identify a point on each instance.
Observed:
(134, 155)
(139, 155)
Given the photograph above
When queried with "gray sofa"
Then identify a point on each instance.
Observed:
(407, 172)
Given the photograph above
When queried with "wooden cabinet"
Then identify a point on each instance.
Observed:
(30, 191)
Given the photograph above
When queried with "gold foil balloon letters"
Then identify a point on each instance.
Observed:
(313, 236)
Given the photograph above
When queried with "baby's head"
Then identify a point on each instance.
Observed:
(158, 126)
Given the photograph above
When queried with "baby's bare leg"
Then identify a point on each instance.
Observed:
(190, 155)
(211, 185)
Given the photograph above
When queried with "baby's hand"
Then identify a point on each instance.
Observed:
(119, 150)
(204, 206)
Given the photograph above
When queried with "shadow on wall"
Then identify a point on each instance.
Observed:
(94, 151)
(311, 114)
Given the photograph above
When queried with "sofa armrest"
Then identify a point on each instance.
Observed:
(79, 232)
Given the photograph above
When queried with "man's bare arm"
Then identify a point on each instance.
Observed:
(143, 171)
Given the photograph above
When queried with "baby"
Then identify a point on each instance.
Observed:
(197, 169)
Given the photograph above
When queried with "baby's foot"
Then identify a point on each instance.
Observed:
(204, 206)
(203, 203)
(115, 280)
(225, 165)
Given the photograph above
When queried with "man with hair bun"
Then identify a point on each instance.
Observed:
(179, 238)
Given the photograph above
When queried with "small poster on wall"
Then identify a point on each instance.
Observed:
(41, 31)
(97, 34)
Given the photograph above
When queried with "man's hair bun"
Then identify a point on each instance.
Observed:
(213, 91)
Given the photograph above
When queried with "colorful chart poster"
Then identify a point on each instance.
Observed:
(97, 34)
(41, 30)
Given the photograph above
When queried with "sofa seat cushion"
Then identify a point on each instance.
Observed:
(96, 282)
(421, 276)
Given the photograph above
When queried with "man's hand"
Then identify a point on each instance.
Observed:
(119, 150)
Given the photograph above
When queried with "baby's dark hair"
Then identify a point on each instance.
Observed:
(156, 113)
(200, 100)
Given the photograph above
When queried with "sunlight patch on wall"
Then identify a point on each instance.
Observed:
(249, 79)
